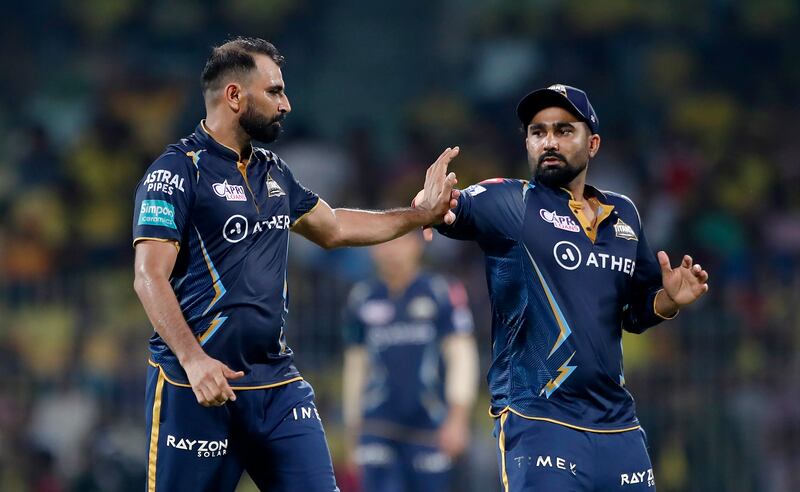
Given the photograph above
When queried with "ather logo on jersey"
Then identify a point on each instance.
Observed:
(569, 257)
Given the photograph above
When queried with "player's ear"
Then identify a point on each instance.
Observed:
(594, 145)
(233, 94)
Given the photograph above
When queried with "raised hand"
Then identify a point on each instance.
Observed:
(685, 283)
(209, 380)
(437, 194)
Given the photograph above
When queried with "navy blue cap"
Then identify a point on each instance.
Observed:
(563, 96)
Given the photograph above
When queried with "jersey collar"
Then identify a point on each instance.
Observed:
(214, 147)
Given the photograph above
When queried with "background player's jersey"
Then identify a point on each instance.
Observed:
(233, 232)
(561, 295)
(403, 338)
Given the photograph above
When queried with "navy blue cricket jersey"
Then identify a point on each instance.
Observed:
(403, 338)
(561, 294)
(233, 237)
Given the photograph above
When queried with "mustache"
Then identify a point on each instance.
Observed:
(550, 153)
(278, 119)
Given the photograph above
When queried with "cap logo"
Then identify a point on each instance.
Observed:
(559, 88)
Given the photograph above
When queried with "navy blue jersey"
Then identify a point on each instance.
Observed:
(561, 295)
(231, 221)
(403, 338)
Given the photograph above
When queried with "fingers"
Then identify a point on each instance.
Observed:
(687, 261)
(449, 217)
(663, 260)
(427, 233)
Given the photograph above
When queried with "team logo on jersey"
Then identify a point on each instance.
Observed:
(562, 222)
(422, 307)
(623, 230)
(157, 213)
(569, 257)
(232, 193)
(273, 188)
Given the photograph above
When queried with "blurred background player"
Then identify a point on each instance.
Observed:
(410, 373)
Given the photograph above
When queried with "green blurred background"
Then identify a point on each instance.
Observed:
(698, 102)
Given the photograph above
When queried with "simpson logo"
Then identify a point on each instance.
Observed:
(624, 231)
(273, 188)
(165, 181)
(157, 213)
(204, 449)
(232, 193)
(562, 222)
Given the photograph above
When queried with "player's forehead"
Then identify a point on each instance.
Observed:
(552, 115)
(267, 72)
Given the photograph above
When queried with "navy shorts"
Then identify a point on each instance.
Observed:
(388, 465)
(275, 434)
(536, 455)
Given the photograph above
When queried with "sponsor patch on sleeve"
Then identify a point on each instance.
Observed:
(475, 190)
(157, 213)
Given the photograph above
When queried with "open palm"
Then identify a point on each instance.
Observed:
(685, 283)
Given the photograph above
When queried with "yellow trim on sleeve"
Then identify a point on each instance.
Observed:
(237, 388)
(159, 239)
(655, 297)
(319, 200)
(155, 422)
(501, 442)
(506, 410)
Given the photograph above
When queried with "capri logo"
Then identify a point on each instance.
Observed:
(157, 213)
(204, 449)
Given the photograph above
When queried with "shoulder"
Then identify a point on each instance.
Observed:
(497, 187)
(624, 206)
(446, 290)
(360, 293)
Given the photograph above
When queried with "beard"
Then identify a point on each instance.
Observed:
(259, 127)
(558, 176)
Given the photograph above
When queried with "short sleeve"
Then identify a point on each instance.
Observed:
(163, 199)
(301, 199)
(489, 211)
(353, 325)
(640, 314)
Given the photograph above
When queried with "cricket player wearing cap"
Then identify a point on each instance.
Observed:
(568, 268)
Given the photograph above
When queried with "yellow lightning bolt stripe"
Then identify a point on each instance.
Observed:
(212, 328)
(564, 330)
(564, 371)
(219, 289)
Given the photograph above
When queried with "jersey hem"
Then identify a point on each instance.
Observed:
(233, 387)
(508, 409)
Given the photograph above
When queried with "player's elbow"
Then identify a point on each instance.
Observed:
(144, 279)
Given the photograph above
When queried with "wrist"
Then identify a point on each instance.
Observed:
(664, 305)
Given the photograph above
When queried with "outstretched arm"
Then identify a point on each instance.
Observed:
(332, 228)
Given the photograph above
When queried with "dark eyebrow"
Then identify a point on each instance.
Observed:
(276, 87)
(559, 125)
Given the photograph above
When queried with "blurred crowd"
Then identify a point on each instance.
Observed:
(697, 103)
